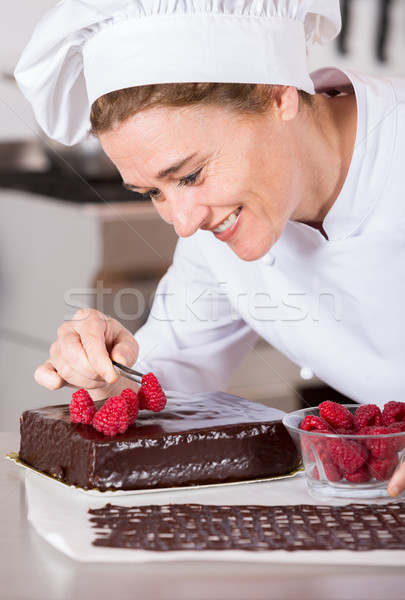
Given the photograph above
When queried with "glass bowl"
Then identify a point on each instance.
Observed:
(329, 460)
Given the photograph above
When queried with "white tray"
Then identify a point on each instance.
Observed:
(61, 517)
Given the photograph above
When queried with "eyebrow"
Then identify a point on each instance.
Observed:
(165, 172)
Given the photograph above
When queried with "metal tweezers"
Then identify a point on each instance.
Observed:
(127, 372)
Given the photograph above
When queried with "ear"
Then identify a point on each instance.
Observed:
(286, 105)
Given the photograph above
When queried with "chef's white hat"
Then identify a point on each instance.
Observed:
(83, 49)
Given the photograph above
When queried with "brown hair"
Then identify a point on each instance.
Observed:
(115, 107)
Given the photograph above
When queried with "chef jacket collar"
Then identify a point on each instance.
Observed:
(375, 130)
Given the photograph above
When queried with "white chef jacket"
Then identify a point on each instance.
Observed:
(335, 305)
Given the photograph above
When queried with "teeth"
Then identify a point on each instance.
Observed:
(228, 222)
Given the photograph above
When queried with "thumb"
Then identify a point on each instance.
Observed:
(47, 376)
(125, 352)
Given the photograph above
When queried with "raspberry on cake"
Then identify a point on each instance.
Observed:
(118, 412)
(82, 407)
(132, 404)
(151, 395)
(112, 418)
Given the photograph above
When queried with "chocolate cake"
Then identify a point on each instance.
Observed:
(210, 438)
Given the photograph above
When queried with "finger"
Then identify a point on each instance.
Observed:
(118, 342)
(52, 377)
(98, 357)
(83, 348)
(47, 376)
(71, 361)
(126, 349)
(397, 483)
(97, 335)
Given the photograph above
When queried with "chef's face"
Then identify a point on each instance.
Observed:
(209, 168)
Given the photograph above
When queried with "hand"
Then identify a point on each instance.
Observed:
(80, 357)
(397, 482)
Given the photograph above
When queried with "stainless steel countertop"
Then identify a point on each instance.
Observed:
(31, 569)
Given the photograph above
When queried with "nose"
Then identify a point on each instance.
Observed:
(184, 212)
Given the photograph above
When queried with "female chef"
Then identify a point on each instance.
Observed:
(286, 190)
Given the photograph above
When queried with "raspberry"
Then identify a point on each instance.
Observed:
(367, 415)
(112, 418)
(372, 453)
(150, 394)
(343, 431)
(313, 423)
(383, 468)
(348, 455)
(398, 440)
(360, 476)
(364, 430)
(393, 412)
(332, 471)
(382, 447)
(308, 442)
(82, 408)
(306, 448)
(132, 404)
(397, 427)
(336, 415)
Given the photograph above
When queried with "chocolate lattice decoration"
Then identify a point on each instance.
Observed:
(171, 527)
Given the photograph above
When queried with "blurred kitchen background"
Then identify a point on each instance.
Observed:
(71, 236)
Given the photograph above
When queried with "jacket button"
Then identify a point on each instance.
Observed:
(306, 373)
(268, 259)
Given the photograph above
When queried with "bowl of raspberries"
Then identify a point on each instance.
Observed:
(349, 450)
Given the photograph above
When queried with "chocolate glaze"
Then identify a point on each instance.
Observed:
(169, 527)
(211, 438)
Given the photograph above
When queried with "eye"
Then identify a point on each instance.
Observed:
(147, 196)
(151, 195)
(142, 197)
(154, 194)
(189, 179)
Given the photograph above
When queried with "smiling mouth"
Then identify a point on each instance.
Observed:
(228, 222)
